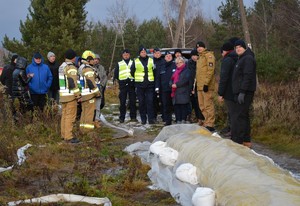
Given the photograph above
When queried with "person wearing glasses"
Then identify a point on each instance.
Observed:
(180, 84)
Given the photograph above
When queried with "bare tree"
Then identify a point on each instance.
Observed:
(244, 22)
(180, 22)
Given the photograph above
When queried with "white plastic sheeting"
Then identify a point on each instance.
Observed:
(156, 147)
(64, 198)
(236, 174)
(21, 158)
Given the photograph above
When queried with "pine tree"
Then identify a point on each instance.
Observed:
(51, 25)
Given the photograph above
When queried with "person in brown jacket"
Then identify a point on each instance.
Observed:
(205, 84)
(69, 95)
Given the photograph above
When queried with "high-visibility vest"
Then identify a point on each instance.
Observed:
(140, 70)
(124, 70)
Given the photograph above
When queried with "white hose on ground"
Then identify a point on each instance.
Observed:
(64, 198)
(128, 131)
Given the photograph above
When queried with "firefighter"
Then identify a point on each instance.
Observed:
(90, 91)
(69, 95)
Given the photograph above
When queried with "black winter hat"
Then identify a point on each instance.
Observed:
(194, 52)
(37, 55)
(177, 50)
(228, 46)
(232, 40)
(70, 54)
(13, 58)
(240, 43)
(200, 44)
(126, 51)
(156, 49)
(142, 48)
(167, 52)
(21, 63)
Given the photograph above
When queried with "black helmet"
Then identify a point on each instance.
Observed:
(21, 62)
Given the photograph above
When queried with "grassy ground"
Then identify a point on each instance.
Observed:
(98, 166)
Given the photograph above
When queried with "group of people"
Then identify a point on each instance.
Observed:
(185, 85)
(78, 84)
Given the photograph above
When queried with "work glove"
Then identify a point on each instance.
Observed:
(241, 98)
(205, 88)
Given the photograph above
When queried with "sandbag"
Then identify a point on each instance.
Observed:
(204, 196)
(187, 173)
(168, 156)
(156, 147)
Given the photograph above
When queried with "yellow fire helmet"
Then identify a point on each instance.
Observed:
(88, 53)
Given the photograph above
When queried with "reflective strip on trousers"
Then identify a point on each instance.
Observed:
(87, 126)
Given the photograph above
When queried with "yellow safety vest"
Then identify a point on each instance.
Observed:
(124, 70)
(140, 70)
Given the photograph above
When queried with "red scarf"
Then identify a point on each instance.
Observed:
(175, 78)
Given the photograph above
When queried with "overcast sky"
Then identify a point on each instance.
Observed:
(12, 11)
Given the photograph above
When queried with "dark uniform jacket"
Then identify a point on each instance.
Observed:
(163, 76)
(182, 93)
(123, 83)
(227, 66)
(20, 84)
(244, 74)
(192, 66)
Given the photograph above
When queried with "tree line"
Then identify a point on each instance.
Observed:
(274, 25)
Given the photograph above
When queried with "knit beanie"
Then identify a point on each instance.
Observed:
(200, 44)
(240, 43)
(167, 52)
(228, 46)
(50, 54)
(194, 52)
(70, 54)
(156, 49)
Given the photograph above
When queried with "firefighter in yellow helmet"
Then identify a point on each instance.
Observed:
(69, 95)
(89, 92)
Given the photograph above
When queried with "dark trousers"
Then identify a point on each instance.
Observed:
(124, 91)
(195, 107)
(53, 94)
(229, 105)
(39, 100)
(145, 97)
(181, 112)
(167, 107)
(240, 120)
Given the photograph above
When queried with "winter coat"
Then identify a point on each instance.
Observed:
(20, 85)
(205, 73)
(227, 66)
(100, 76)
(6, 78)
(192, 67)
(163, 76)
(54, 71)
(182, 93)
(42, 79)
(244, 74)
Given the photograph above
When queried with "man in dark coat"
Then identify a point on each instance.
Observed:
(6, 76)
(243, 87)
(53, 92)
(162, 80)
(225, 87)
(159, 62)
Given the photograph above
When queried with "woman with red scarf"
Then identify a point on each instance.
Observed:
(180, 90)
